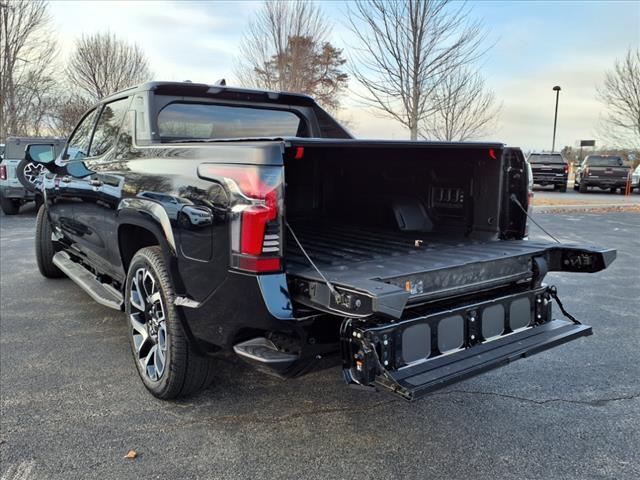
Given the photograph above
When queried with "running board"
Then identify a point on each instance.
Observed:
(102, 293)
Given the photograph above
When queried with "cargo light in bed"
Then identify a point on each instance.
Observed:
(256, 213)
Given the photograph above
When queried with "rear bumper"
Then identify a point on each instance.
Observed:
(416, 356)
(549, 179)
(16, 192)
(605, 182)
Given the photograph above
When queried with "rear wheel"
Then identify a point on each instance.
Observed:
(45, 248)
(583, 187)
(9, 206)
(166, 361)
(612, 190)
(560, 188)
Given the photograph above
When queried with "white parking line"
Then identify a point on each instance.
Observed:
(19, 471)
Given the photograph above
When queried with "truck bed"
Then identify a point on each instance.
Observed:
(420, 266)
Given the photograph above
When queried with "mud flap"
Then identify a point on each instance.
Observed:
(416, 356)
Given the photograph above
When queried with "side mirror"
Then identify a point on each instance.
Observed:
(40, 153)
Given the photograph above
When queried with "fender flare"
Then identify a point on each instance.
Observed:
(153, 217)
(148, 214)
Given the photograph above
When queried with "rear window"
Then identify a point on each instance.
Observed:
(14, 149)
(602, 161)
(545, 158)
(186, 121)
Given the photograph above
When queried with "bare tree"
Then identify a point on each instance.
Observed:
(65, 112)
(103, 64)
(27, 53)
(285, 48)
(406, 48)
(465, 108)
(621, 95)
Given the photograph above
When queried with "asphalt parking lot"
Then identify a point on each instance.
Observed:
(72, 405)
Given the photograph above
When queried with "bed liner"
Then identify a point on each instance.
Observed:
(386, 270)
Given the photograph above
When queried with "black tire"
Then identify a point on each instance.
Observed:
(27, 172)
(560, 188)
(583, 188)
(613, 190)
(575, 186)
(9, 206)
(45, 248)
(185, 371)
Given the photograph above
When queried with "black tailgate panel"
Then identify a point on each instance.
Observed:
(434, 348)
(379, 271)
(497, 353)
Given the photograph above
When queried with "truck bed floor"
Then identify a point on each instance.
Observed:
(436, 265)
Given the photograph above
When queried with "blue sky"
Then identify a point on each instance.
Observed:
(537, 45)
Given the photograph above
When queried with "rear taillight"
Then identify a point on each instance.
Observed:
(3, 172)
(255, 214)
(566, 169)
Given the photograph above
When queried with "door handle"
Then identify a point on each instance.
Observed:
(95, 183)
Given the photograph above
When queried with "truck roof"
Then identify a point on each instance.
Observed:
(349, 142)
(220, 91)
(377, 143)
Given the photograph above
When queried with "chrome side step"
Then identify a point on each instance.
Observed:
(102, 293)
(263, 354)
(262, 351)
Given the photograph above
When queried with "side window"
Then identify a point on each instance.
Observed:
(78, 144)
(108, 126)
(124, 148)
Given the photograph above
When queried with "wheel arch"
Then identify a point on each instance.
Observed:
(143, 223)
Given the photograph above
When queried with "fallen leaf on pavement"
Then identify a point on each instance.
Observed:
(131, 454)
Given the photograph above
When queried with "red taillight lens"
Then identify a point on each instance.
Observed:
(3, 172)
(566, 169)
(253, 264)
(254, 221)
(256, 213)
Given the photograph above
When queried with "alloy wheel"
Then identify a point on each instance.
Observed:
(32, 171)
(148, 324)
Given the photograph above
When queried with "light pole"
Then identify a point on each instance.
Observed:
(555, 118)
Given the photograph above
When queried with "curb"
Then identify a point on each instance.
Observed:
(616, 207)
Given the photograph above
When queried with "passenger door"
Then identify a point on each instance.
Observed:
(100, 192)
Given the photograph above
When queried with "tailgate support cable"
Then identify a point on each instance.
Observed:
(332, 289)
(515, 200)
(553, 291)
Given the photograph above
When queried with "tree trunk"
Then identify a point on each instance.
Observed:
(414, 131)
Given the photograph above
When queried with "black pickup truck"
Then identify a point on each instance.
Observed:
(231, 221)
(602, 171)
(549, 169)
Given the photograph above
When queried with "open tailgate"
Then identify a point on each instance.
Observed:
(429, 351)
(387, 285)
